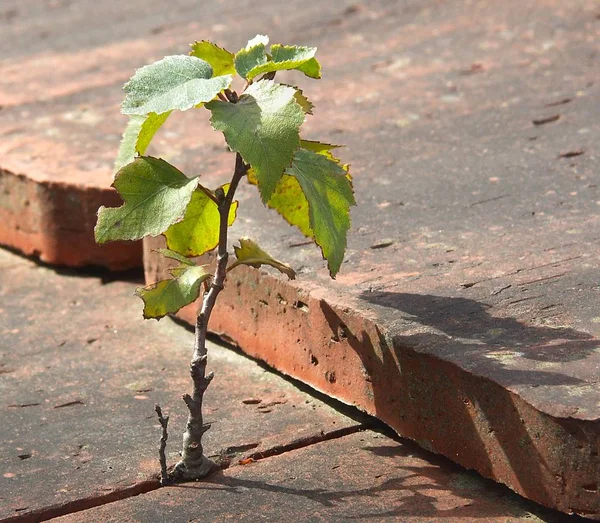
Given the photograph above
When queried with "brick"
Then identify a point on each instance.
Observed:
(473, 258)
(364, 476)
(465, 316)
(81, 372)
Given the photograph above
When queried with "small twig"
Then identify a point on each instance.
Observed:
(164, 421)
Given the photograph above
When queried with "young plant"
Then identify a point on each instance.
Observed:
(300, 179)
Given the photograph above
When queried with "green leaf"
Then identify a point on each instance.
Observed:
(249, 253)
(329, 194)
(198, 232)
(218, 58)
(322, 213)
(263, 126)
(137, 136)
(288, 57)
(168, 296)
(175, 82)
(251, 56)
(155, 196)
(167, 253)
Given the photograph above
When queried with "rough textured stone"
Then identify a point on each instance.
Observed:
(60, 91)
(365, 476)
(472, 130)
(465, 315)
(80, 373)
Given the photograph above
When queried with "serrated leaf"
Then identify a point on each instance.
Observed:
(257, 40)
(168, 253)
(175, 82)
(155, 195)
(168, 296)
(288, 199)
(198, 232)
(328, 229)
(329, 194)
(251, 56)
(219, 59)
(288, 57)
(263, 126)
(137, 136)
(319, 147)
(303, 102)
(249, 253)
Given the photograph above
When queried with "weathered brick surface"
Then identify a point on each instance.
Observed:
(466, 313)
(364, 476)
(469, 297)
(79, 375)
(60, 91)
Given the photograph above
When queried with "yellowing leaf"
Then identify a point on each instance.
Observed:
(155, 196)
(249, 253)
(137, 136)
(263, 126)
(303, 102)
(319, 147)
(219, 59)
(168, 296)
(315, 196)
(198, 232)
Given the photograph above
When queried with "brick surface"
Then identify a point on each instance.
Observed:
(364, 476)
(60, 91)
(80, 373)
(465, 315)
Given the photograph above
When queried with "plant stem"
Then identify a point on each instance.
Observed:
(164, 422)
(194, 464)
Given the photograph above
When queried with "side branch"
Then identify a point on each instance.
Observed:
(164, 421)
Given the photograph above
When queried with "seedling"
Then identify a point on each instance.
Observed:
(300, 179)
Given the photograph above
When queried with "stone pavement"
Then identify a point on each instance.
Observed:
(81, 372)
(465, 316)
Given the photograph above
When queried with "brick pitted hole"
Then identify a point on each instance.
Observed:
(341, 334)
(281, 299)
(314, 360)
(590, 487)
(330, 376)
(263, 302)
(300, 305)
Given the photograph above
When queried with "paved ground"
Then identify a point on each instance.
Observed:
(81, 372)
(466, 313)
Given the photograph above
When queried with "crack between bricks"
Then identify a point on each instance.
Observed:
(300, 443)
(153, 483)
(86, 503)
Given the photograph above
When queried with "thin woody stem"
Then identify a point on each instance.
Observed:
(164, 422)
(194, 464)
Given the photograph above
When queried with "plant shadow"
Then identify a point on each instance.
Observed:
(429, 486)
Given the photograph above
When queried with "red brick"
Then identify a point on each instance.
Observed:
(80, 373)
(364, 476)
